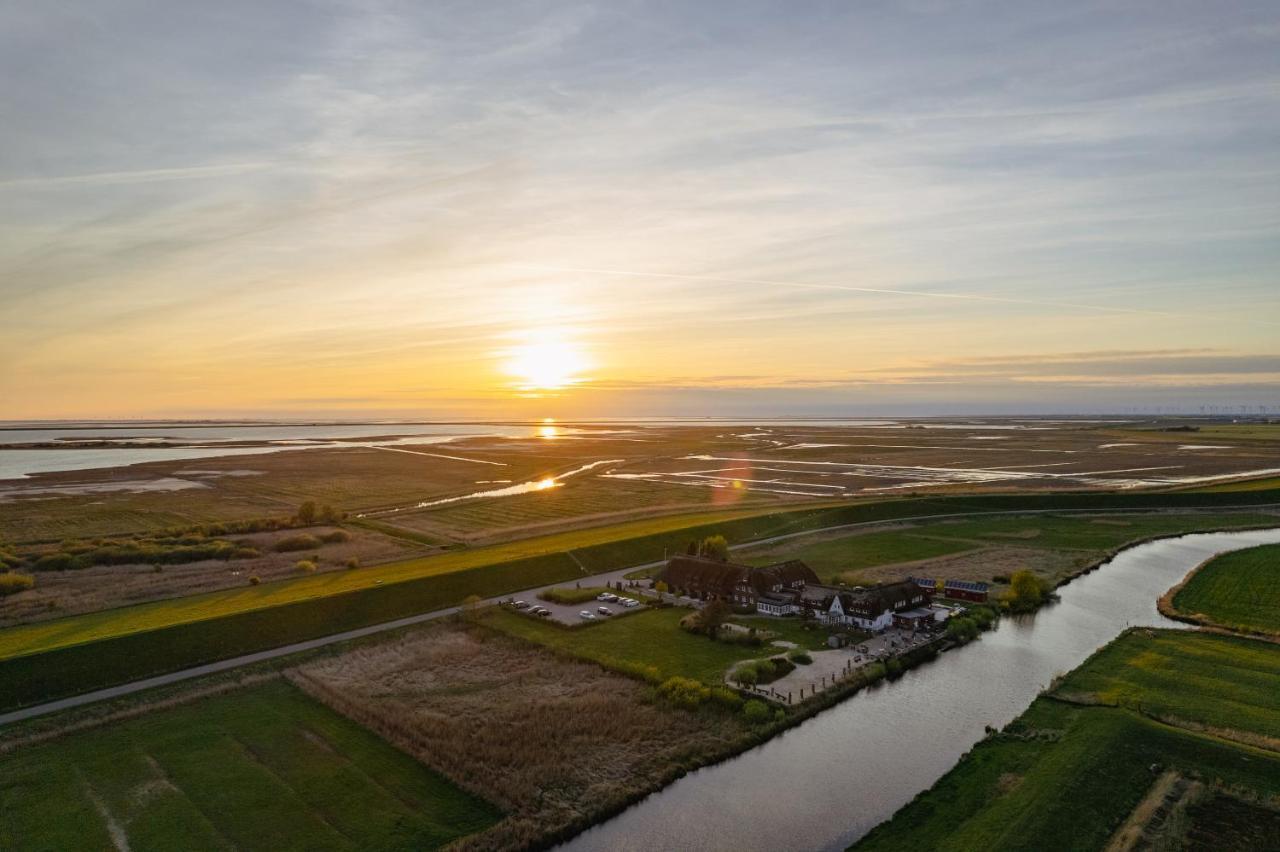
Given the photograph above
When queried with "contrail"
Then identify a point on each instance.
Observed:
(849, 288)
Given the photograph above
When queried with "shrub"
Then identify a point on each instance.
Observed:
(800, 656)
(306, 566)
(253, 580)
(893, 667)
(570, 596)
(336, 537)
(11, 583)
(59, 562)
(746, 675)
(307, 513)
(684, 692)
(756, 711)
(637, 670)
(245, 553)
(1027, 592)
(726, 697)
(353, 562)
(302, 541)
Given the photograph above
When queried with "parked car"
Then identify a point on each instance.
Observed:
(604, 610)
(520, 605)
(544, 613)
(587, 615)
(607, 596)
(628, 602)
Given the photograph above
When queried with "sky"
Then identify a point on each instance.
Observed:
(456, 209)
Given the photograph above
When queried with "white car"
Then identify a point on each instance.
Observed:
(604, 610)
(608, 597)
(520, 605)
(630, 602)
(587, 616)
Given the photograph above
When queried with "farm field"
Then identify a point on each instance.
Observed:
(634, 642)
(1239, 590)
(556, 742)
(1100, 533)
(264, 767)
(1055, 547)
(840, 558)
(1070, 771)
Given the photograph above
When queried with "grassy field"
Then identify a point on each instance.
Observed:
(794, 630)
(841, 557)
(1222, 682)
(265, 767)
(1066, 775)
(1239, 590)
(1085, 533)
(647, 638)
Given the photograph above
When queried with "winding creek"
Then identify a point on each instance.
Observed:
(825, 783)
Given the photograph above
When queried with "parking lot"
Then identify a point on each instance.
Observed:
(569, 614)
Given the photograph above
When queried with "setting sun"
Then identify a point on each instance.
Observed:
(547, 360)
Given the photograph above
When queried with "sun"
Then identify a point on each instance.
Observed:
(547, 360)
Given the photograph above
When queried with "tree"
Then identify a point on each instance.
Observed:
(471, 607)
(715, 547)
(692, 549)
(712, 616)
(1026, 591)
(746, 675)
(307, 513)
(660, 587)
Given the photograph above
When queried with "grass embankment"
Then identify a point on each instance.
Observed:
(85, 652)
(1238, 590)
(1069, 771)
(261, 768)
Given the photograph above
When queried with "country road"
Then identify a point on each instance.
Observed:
(594, 579)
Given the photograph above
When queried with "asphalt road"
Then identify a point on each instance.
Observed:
(528, 594)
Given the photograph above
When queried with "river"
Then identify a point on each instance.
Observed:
(825, 783)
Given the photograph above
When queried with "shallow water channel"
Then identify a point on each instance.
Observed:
(830, 780)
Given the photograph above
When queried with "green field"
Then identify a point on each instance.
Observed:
(1239, 590)
(264, 767)
(1085, 533)
(833, 557)
(648, 638)
(1219, 681)
(1065, 775)
(792, 629)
